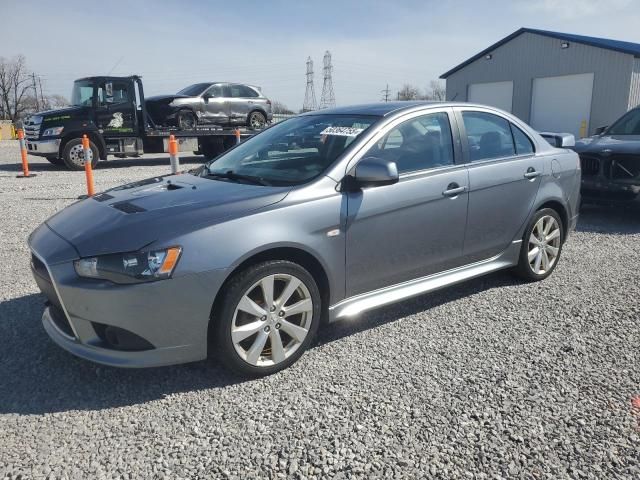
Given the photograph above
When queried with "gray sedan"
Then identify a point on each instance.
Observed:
(316, 219)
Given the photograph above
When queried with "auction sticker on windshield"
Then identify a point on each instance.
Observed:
(342, 131)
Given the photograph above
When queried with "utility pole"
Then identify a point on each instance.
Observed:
(44, 104)
(327, 99)
(386, 93)
(35, 91)
(310, 93)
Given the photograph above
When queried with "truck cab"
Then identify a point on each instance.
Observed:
(109, 110)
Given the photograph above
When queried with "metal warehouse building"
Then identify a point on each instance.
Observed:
(553, 81)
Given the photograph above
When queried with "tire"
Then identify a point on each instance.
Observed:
(531, 265)
(55, 160)
(186, 120)
(256, 120)
(251, 352)
(73, 154)
(211, 148)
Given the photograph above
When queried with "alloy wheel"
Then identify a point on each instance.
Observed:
(272, 320)
(544, 245)
(257, 120)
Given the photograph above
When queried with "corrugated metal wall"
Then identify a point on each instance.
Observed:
(530, 56)
(634, 91)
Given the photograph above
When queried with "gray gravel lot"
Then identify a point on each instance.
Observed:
(490, 379)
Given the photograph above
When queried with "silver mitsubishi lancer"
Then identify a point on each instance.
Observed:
(315, 219)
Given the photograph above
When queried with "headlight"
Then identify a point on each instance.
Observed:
(52, 132)
(134, 267)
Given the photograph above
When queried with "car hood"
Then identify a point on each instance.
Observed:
(129, 217)
(165, 98)
(609, 144)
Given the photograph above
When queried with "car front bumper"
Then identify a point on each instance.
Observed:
(43, 148)
(168, 320)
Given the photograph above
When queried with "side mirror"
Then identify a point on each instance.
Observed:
(559, 140)
(374, 172)
(206, 97)
(600, 130)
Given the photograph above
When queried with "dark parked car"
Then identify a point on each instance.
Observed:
(217, 103)
(611, 162)
(247, 255)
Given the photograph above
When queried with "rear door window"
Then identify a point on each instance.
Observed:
(522, 141)
(489, 136)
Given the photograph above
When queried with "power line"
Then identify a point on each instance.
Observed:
(327, 99)
(310, 93)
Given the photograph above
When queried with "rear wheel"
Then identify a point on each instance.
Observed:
(212, 148)
(269, 317)
(186, 120)
(73, 154)
(541, 246)
(256, 120)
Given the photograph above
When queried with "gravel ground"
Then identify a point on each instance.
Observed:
(490, 379)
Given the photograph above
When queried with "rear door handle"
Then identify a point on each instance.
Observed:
(453, 189)
(531, 173)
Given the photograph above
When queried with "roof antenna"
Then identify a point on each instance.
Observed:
(114, 67)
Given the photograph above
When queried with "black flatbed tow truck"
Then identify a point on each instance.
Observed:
(112, 112)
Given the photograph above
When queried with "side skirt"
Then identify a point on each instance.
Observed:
(352, 306)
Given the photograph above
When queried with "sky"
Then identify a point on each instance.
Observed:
(173, 43)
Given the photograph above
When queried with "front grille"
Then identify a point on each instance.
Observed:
(60, 320)
(31, 130)
(625, 167)
(590, 166)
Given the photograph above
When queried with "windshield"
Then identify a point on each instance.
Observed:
(82, 93)
(629, 124)
(291, 152)
(194, 90)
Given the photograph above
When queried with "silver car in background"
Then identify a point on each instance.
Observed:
(317, 218)
(219, 103)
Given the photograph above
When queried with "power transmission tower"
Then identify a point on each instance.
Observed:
(386, 94)
(310, 93)
(327, 99)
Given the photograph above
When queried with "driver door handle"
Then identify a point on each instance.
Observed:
(453, 190)
(531, 173)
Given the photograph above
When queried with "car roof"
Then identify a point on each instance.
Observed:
(384, 109)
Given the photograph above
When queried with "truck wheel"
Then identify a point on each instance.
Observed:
(55, 160)
(186, 120)
(256, 120)
(212, 149)
(73, 154)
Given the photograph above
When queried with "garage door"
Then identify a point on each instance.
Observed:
(496, 94)
(562, 104)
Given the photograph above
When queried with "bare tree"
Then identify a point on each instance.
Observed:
(14, 87)
(409, 92)
(52, 102)
(436, 91)
(281, 108)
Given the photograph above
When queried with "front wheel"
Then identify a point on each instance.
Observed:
(186, 120)
(73, 154)
(269, 317)
(541, 246)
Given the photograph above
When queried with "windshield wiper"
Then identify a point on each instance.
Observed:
(231, 175)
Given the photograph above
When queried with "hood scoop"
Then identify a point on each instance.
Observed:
(128, 207)
(102, 197)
